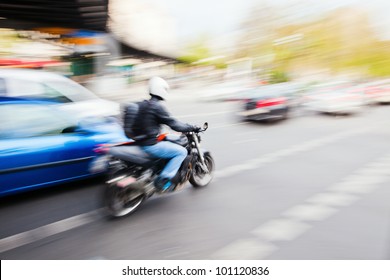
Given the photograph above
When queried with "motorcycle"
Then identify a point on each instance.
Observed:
(131, 172)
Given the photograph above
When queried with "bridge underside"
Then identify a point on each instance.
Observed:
(72, 14)
(80, 14)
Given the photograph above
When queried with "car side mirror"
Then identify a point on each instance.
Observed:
(72, 129)
(75, 129)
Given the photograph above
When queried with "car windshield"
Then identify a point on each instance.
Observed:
(73, 91)
(57, 90)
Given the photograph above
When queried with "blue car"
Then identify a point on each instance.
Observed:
(41, 146)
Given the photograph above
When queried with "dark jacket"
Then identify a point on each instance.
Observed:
(147, 125)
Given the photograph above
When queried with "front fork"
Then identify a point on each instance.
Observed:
(202, 162)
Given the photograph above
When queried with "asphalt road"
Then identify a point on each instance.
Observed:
(312, 187)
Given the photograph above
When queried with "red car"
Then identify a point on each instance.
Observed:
(272, 102)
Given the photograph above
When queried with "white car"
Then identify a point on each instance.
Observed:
(377, 92)
(72, 97)
(340, 99)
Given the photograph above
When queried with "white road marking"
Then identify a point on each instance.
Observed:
(229, 125)
(383, 169)
(277, 155)
(242, 167)
(245, 249)
(310, 212)
(333, 199)
(262, 160)
(245, 141)
(367, 178)
(37, 234)
(295, 221)
(353, 187)
(281, 230)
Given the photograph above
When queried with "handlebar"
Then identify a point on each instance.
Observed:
(205, 127)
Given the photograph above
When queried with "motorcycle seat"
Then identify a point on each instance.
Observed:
(133, 154)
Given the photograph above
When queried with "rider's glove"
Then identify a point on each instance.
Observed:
(196, 128)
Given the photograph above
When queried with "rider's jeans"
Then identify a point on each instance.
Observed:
(165, 149)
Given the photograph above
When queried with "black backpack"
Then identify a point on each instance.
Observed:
(132, 117)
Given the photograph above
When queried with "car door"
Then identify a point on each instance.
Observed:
(36, 151)
(3, 88)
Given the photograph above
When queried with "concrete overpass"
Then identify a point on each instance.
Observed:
(89, 15)
(80, 14)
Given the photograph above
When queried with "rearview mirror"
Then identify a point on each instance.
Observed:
(205, 125)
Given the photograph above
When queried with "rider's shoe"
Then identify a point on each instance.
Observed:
(162, 184)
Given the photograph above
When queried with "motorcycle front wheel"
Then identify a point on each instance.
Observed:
(199, 178)
(120, 202)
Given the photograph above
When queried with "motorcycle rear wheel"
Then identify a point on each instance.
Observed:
(199, 178)
(120, 202)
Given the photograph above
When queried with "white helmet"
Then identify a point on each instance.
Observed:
(158, 87)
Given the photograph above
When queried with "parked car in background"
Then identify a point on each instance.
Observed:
(269, 102)
(41, 146)
(71, 96)
(335, 98)
(377, 92)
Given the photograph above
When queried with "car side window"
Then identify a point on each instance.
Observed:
(29, 120)
(20, 87)
(36, 90)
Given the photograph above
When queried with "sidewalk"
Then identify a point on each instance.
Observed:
(119, 91)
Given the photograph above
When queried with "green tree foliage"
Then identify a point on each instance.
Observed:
(278, 76)
(340, 40)
(196, 51)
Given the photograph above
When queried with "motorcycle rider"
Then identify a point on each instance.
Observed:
(147, 125)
